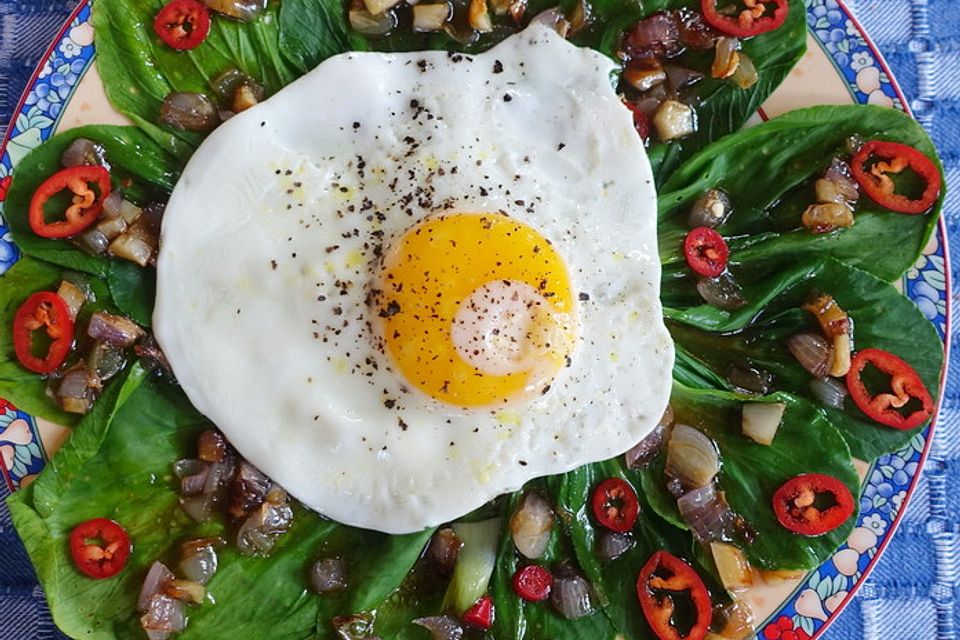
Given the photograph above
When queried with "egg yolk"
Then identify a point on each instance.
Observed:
(476, 309)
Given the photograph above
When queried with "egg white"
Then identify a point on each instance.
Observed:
(272, 237)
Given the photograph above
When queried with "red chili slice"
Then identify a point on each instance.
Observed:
(615, 505)
(43, 311)
(641, 121)
(662, 581)
(812, 504)
(706, 252)
(893, 158)
(480, 615)
(84, 208)
(533, 583)
(183, 24)
(100, 548)
(905, 385)
(753, 20)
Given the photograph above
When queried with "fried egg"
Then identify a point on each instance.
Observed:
(409, 283)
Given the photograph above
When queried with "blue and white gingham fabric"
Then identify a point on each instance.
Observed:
(914, 593)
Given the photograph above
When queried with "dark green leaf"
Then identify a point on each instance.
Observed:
(768, 171)
(882, 318)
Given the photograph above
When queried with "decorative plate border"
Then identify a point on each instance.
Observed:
(890, 480)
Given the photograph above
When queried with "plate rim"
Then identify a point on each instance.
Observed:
(940, 233)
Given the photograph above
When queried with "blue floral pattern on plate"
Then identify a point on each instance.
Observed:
(889, 480)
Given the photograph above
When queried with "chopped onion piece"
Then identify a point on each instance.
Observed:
(430, 17)
(833, 320)
(829, 391)
(732, 566)
(164, 617)
(77, 388)
(245, 10)
(727, 58)
(92, 241)
(211, 446)
(189, 111)
(531, 525)
(248, 490)
(706, 512)
(158, 577)
(824, 218)
(721, 292)
(329, 575)
(674, 120)
(812, 351)
(185, 468)
(377, 7)
(112, 227)
(198, 559)
(355, 627)
(441, 627)
(645, 451)
(692, 457)
(83, 152)
(72, 296)
(737, 620)
(554, 19)
(137, 244)
(611, 545)
(570, 596)
(840, 355)
(443, 550)
(113, 329)
(680, 77)
(198, 507)
(761, 420)
(579, 17)
(186, 591)
(644, 74)
(362, 21)
(746, 74)
(712, 209)
(480, 16)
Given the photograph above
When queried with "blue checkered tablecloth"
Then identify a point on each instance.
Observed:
(913, 593)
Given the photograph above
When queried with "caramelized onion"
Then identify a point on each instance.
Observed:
(571, 597)
(611, 545)
(198, 507)
(83, 152)
(245, 10)
(711, 209)
(692, 457)
(260, 531)
(707, 513)
(113, 329)
(829, 391)
(746, 74)
(189, 111)
(645, 451)
(443, 550)
(248, 490)
(211, 446)
(812, 351)
(732, 566)
(721, 292)
(92, 241)
(441, 627)
(531, 525)
(674, 120)
(158, 577)
(430, 17)
(198, 559)
(727, 58)
(164, 617)
(328, 575)
(73, 296)
(761, 420)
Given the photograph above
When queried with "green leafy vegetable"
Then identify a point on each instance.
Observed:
(757, 335)
(133, 158)
(117, 464)
(25, 388)
(768, 171)
(139, 71)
